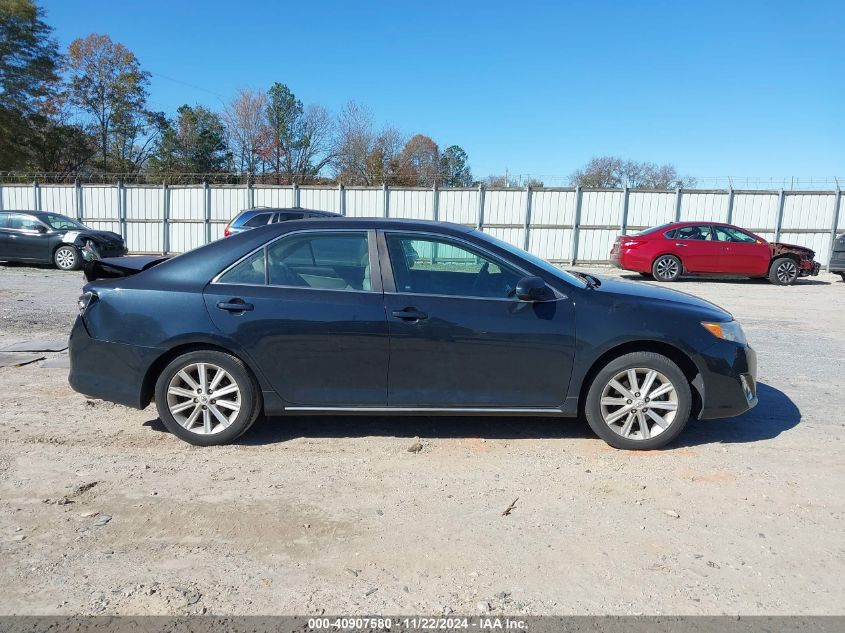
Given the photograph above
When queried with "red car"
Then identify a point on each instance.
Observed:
(710, 248)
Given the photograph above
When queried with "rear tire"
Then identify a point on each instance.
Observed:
(207, 398)
(667, 268)
(645, 413)
(783, 271)
(842, 275)
(67, 257)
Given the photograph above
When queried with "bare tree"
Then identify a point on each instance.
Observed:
(245, 120)
(613, 172)
(353, 145)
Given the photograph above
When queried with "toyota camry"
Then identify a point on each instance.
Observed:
(388, 316)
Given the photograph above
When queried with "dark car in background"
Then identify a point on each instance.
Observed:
(41, 237)
(837, 257)
(259, 216)
(390, 316)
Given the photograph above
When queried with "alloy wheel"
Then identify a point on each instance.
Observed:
(203, 398)
(666, 268)
(639, 403)
(65, 258)
(787, 271)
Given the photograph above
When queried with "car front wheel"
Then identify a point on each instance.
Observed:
(783, 272)
(667, 268)
(207, 398)
(67, 258)
(639, 401)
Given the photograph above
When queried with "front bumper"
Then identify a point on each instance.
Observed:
(728, 385)
(110, 371)
(809, 267)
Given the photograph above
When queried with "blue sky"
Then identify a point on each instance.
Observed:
(717, 88)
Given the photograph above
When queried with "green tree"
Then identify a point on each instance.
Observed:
(454, 170)
(106, 82)
(194, 143)
(29, 58)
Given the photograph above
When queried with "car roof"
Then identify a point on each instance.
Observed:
(284, 209)
(344, 222)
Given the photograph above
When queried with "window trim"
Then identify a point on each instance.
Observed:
(389, 279)
(375, 269)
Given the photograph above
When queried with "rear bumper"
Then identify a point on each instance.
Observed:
(729, 380)
(110, 371)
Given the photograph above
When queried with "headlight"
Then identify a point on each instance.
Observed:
(730, 331)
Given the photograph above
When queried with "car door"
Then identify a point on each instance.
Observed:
(695, 246)
(747, 254)
(27, 239)
(308, 309)
(458, 336)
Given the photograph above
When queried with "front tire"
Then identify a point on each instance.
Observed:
(207, 398)
(667, 268)
(639, 401)
(842, 275)
(783, 271)
(67, 257)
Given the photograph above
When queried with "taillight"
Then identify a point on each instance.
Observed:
(631, 243)
(227, 231)
(86, 300)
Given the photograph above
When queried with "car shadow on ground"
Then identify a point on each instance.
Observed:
(803, 281)
(774, 414)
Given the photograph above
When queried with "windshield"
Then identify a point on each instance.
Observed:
(61, 222)
(538, 262)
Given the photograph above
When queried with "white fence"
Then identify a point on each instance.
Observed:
(563, 225)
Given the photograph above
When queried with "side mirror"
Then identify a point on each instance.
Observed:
(41, 229)
(531, 289)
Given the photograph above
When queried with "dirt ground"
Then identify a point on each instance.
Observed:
(103, 512)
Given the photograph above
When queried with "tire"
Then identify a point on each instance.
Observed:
(190, 418)
(783, 271)
(67, 257)
(605, 402)
(842, 275)
(667, 268)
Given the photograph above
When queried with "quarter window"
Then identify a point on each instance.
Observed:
(423, 265)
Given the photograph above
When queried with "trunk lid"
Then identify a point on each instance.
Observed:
(116, 267)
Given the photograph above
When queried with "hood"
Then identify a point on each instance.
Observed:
(640, 290)
(98, 237)
(779, 248)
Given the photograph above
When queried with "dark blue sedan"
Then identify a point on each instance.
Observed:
(378, 316)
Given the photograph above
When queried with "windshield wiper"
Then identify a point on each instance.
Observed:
(590, 280)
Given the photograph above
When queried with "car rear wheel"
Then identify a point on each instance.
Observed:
(667, 268)
(639, 401)
(207, 398)
(842, 275)
(783, 271)
(67, 257)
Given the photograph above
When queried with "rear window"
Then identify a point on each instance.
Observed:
(653, 229)
(259, 219)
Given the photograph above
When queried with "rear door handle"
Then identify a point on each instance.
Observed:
(679, 244)
(235, 305)
(409, 314)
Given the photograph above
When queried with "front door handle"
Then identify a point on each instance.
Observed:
(409, 314)
(235, 305)
(679, 244)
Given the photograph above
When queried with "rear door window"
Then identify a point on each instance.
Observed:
(337, 260)
(696, 232)
(284, 217)
(23, 222)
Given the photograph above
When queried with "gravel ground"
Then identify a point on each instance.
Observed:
(102, 511)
